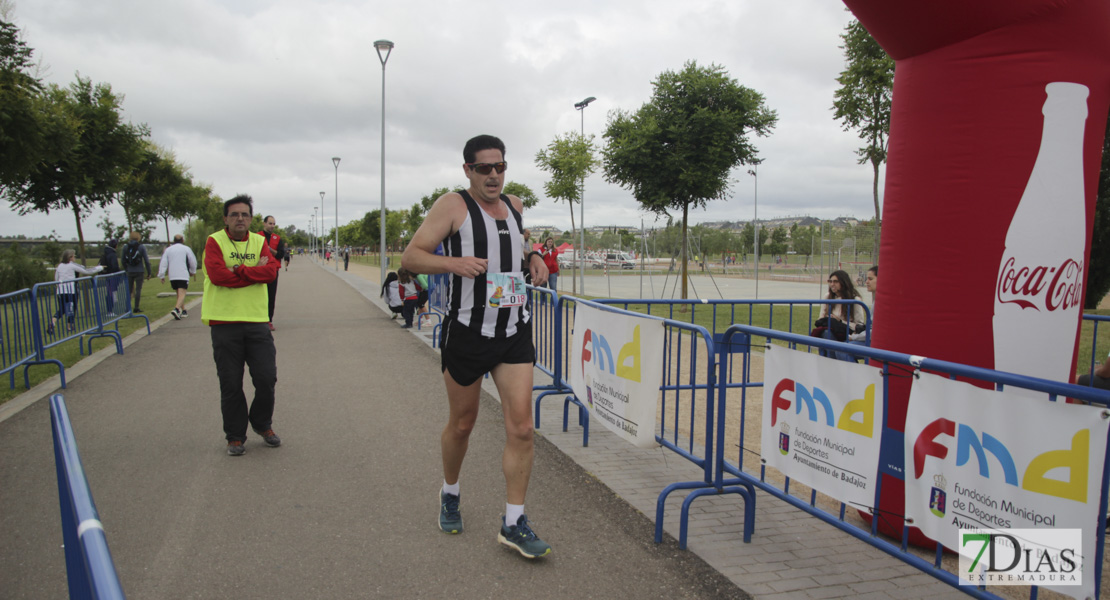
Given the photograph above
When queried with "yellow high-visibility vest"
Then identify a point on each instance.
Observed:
(250, 304)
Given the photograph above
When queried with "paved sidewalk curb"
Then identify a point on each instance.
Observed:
(49, 386)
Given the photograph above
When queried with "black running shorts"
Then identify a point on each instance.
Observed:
(468, 355)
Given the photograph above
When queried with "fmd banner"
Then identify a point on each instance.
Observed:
(822, 420)
(979, 459)
(616, 369)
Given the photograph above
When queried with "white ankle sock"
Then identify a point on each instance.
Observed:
(451, 488)
(512, 513)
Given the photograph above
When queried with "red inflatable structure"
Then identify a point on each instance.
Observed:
(996, 138)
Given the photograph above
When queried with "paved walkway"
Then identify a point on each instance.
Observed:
(345, 508)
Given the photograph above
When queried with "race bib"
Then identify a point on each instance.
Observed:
(504, 290)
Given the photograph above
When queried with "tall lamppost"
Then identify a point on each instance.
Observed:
(316, 232)
(324, 244)
(581, 108)
(387, 46)
(335, 161)
(752, 172)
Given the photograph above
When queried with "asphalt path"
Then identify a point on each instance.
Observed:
(345, 508)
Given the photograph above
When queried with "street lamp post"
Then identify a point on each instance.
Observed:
(316, 232)
(581, 108)
(335, 161)
(323, 246)
(387, 46)
(754, 174)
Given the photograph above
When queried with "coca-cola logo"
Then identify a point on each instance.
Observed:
(1053, 288)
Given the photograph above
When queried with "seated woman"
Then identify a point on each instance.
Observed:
(843, 319)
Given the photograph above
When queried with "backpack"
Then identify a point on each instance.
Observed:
(132, 257)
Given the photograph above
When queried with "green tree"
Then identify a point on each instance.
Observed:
(863, 101)
(93, 149)
(778, 243)
(525, 193)
(22, 142)
(414, 217)
(1098, 273)
(804, 240)
(569, 159)
(677, 150)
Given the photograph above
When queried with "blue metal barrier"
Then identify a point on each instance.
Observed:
(68, 310)
(546, 336)
(18, 338)
(109, 289)
(723, 466)
(90, 571)
(437, 302)
(1096, 360)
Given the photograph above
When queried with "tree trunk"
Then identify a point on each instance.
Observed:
(167, 221)
(80, 234)
(875, 193)
(685, 213)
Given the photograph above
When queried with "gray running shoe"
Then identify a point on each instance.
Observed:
(450, 519)
(236, 448)
(521, 538)
(271, 438)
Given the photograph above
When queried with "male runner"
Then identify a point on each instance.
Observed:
(487, 328)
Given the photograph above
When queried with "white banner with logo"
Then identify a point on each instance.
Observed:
(822, 420)
(979, 458)
(616, 367)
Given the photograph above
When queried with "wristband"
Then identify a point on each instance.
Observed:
(534, 253)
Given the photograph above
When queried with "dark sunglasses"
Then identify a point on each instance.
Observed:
(485, 168)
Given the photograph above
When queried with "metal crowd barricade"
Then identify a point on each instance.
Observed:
(560, 360)
(17, 337)
(68, 310)
(437, 302)
(729, 472)
(548, 340)
(90, 571)
(113, 292)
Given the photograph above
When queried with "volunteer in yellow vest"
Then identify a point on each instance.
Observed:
(237, 267)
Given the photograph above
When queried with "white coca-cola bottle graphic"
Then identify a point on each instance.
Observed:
(1039, 291)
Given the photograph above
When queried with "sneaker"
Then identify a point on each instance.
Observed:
(50, 329)
(176, 314)
(406, 326)
(271, 326)
(521, 538)
(184, 313)
(137, 311)
(395, 315)
(236, 448)
(271, 438)
(450, 519)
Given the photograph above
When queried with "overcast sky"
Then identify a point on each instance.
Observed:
(257, 96)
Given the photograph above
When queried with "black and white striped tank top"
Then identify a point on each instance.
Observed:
(475, 303)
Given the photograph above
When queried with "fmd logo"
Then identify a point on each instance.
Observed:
(857, 417)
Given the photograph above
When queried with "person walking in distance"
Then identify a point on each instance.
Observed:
(179, 262)
(135, 262)
(487, 329)
(66, 291)
(237, 265)
(110, 261)
(279, 252)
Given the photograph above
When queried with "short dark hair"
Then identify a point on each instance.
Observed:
(875, 270)
(482, 142)
(240, 199)
(267, 218)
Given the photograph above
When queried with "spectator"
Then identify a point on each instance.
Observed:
(1100, 379)
(135, 261)
(409, 290)
(278, 251)
(550, 256)
(346, 257)
(110, 261)
(179, 262)
(66, 292)
(840, 320)
(392, 295)
(872, 283)
(237, 265)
